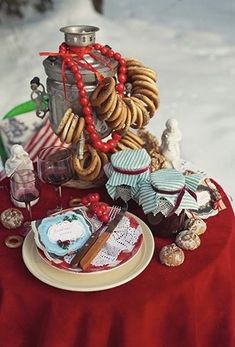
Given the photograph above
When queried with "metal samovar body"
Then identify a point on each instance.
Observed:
(61, 86)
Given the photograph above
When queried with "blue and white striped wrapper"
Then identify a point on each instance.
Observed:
(131, 161)
(169, 180)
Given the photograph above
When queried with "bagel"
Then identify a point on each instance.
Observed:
(131, 105)
(145, 85)
(64, 120)
(71, 130)
(66, 128)
(117, 111)
(79, 168)
(105, 106)
(150, 105)
(102, 91)
(93, 175)
(79, 129)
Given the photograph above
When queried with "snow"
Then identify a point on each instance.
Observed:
(190, 44)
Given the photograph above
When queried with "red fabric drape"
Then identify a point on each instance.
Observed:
(189, 306)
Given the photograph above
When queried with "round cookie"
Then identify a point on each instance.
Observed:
(188, 240)
(12, 218)
(196, 225)
(171, 255)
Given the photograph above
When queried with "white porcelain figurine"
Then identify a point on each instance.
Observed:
(170, 143)
(18, 160)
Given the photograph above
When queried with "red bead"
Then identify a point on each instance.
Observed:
(82, 93)
(112, 144)
(110, 53)
(116, 136)
(122, 62)
(70, 61)
(74, 69)
(122, 69)
(84, 101)
(120, 87)
(78, 77)
(103, 207)
(103, 50)
(80, 85)
(94, 206)
(122, 78)
(90, 129)
(105, 148)
(94, 137)
(97, 196)
(98, 144)
(117, 56)
(104, 218)
(99, 212)
(89, 120)
(97, 46)
(92, 198)
(86, 111)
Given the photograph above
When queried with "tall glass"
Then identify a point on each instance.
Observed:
(25, 187)
(55, 167)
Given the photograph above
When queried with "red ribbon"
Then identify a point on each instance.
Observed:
(180, 193)
(78, 53)
(129, 172)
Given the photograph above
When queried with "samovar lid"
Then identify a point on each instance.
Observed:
(79, 35)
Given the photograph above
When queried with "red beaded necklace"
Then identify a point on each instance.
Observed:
(68, 54)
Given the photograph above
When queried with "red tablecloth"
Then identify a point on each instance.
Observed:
(189, 306)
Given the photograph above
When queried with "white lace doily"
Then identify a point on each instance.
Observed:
(122, 240)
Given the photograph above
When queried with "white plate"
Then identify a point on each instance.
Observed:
(92, 281)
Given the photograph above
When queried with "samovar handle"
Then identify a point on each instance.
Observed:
(40, 97)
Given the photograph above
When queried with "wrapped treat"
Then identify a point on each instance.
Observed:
(164, 199)
(127, 171)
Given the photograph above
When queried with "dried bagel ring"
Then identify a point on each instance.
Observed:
(71, 130)
(151, 95)
(105, 106)
(108, 114)
(121, 119)
(135, 137)
(150, 105)
(78, 131)
(145, 85)
(102, 92)
(129, 144)
(65, 131)
(128, 120)
(14, 241)
(131, 105)
(142, 77)
(121, 146)
(139, 119)
(141, 70)
(79, 169)
(141, 105)
(117, 111)
(133, 62)
(64, 120)
(104, 160)
(93, 175)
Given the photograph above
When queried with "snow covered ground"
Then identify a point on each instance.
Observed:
(191, 45)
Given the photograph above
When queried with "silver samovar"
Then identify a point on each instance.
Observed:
(61, 86)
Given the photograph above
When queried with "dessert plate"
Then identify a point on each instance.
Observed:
(121, 246)
(90, 281)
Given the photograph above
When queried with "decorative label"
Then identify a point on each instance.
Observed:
(65, 230)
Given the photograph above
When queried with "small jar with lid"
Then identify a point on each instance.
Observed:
(164, 199)
(127, 171)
